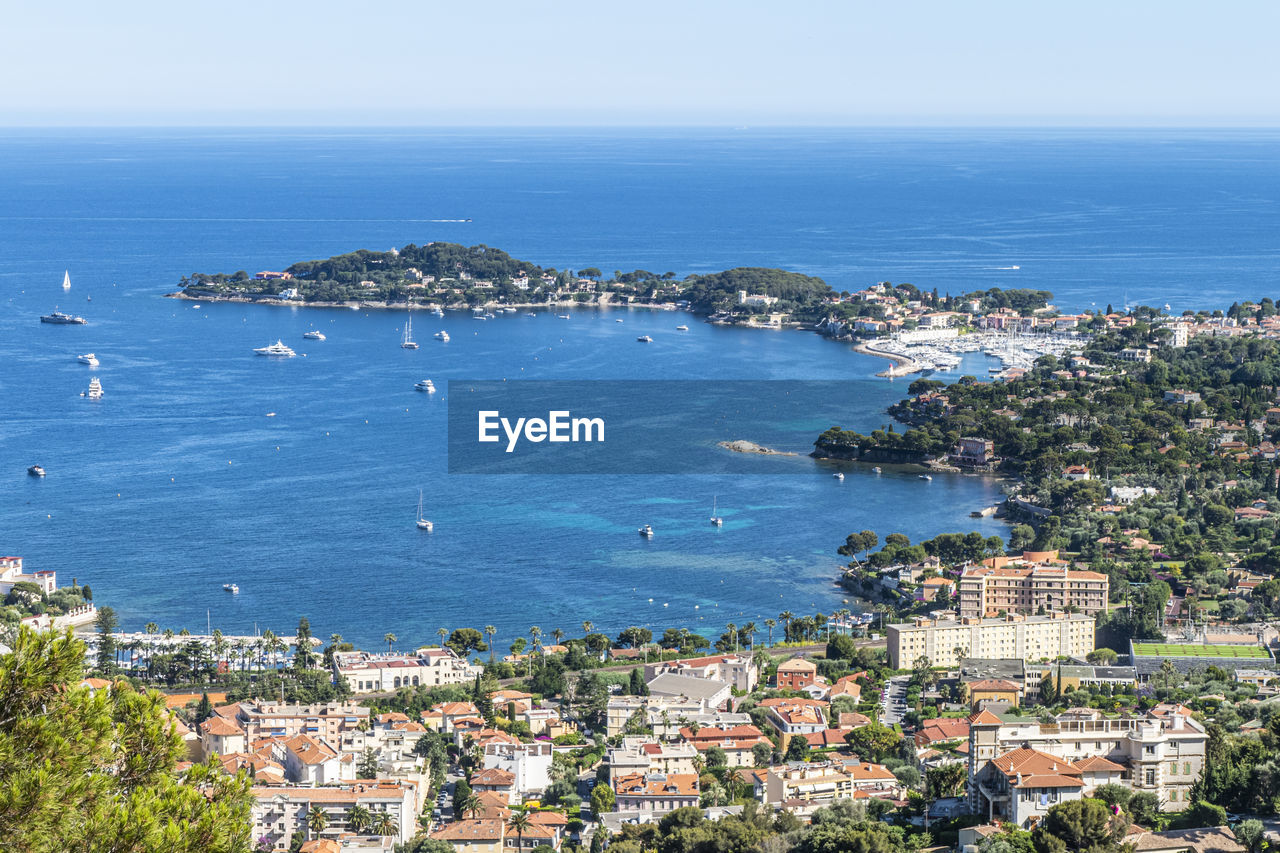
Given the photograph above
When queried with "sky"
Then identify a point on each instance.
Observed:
(657, 62)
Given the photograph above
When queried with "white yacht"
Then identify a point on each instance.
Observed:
(278, 349)
(314, 335)
(88, 358)
(646, 531)
(436, 312)
(645, 339)
(425, 385)
(925, 477)
(407, 342)
(231, 588)
(563, 316)
(617, 320)
(442, 335)
(95, 389)
(423, 524)
(876, 469)
(839, 475)
(682, 328)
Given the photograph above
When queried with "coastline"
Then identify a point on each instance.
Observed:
(901, 365)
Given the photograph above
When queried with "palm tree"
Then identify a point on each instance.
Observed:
(471, 805)
(750, 630)
(785, 618)
(383, 824)
(736, 782)
(390, 639)
(317, 820)
(770, 623)
(536, 634)
(490, 631)
(519, 821)
(732, 630)
(442, 632)
(557, 635)
(358, 818)
(587, 627)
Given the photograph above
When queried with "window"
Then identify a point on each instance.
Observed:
(1173, 768)
(1186, 768)
(1150, 776)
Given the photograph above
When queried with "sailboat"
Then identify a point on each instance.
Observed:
(66, 280)
(423, 524)
(408, 342)
(715, 519)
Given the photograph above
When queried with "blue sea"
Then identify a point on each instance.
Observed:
(177, 481)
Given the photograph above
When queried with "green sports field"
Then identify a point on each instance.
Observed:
(1171, 650)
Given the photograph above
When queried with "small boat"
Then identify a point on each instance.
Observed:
(314, 335)
(66, 280)
(682, 328)
(716, 520)
(489, 315)
(875, 469)
(425, 385)
(646, 531)
(839, 475)
(423, 524)
(407, 341)
(196, 305)
(95, 389)
(618, 320)
(35, 471)
(231, 588)
(645, 339)
(563, 316)
(88, 358)
(271, 414)
(925, 477)
(436, 312)
(530, 314)
(58, 318)
(442, 335)
(278, 350)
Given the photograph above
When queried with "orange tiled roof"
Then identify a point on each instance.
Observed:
(1095, 763)
(493, 777)
(656, 785)
(482, 829)
(1032, 762)
(309, 750)
(985, 718)
(1050, 780)
(220, 726)
(993, 684)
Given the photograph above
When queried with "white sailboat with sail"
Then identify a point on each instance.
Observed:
(423, 524)
(408, 342)
(66, 280)
(716, 520)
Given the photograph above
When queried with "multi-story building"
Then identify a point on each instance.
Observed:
(1019, 767)
(484, 835)
(738, 670)
(825, 783)
(641, 756)
(736, 741)
(279, 812)
(797, 674)
(986, 591)
(11, 573)
(947, 640)
(529, 764)
(655, 710)
(368, 672)
(656, 792)
(326, 721)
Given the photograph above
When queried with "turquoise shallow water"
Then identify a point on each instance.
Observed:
(177, 481)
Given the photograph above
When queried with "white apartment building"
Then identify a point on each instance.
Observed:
(529, 763)
(669, 712)
(278, 812)
(369, 672)
(1162, 752)
(642, 755)
(12, 573)
(738, 670)
(945, 641)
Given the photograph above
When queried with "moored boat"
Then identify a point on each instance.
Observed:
(313, 335)
(88, 358)
(60, 318)
(35, 471)
(425, 385)
(278, 350)
(646, 531)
